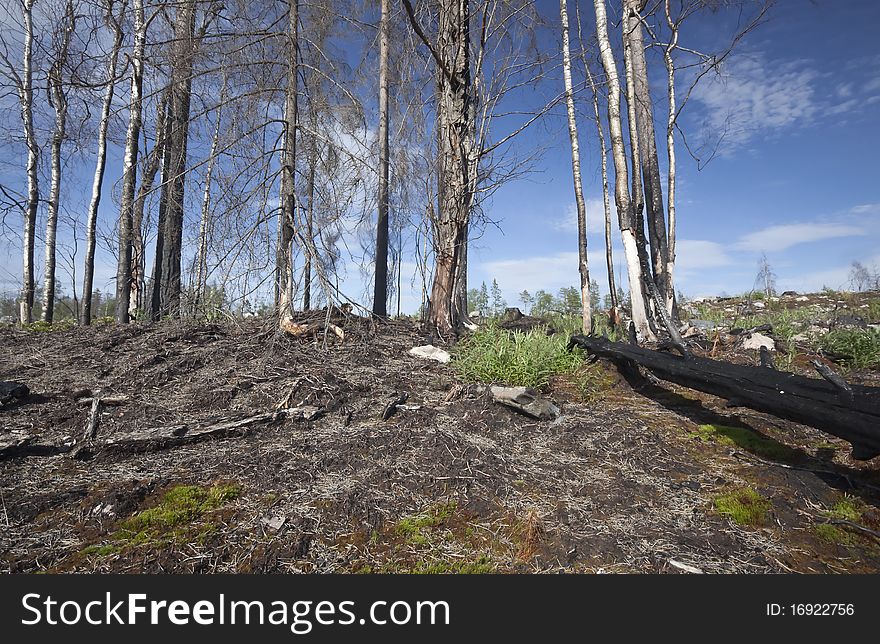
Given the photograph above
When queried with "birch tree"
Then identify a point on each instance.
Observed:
(101, 158)
(625, 209)
(583, 264)
(129, 164)
(380, 281)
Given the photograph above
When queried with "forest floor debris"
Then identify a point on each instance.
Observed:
(625, 480)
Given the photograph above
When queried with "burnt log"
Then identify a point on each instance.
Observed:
(852, 415)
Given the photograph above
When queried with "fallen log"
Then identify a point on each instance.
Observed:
(852, 415)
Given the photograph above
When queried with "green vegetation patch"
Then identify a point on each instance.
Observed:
(415, 529)
(858, 348)
(744, 506)
(747, 439)
(179, 516)
(529, 359)
(49, 327)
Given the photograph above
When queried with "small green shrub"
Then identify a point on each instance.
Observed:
(854, 347)
(529, 359)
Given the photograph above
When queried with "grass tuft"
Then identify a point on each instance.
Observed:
(854, 347)
(744, 506)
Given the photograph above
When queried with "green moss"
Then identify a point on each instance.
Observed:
(171, 521)
(832, 534)
(848, 508)
(747, 439)
(414, 528)
(743, 506)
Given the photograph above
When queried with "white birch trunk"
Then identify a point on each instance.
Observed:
(670, 153)
(100, 166)
(59, 103)
(583, 264)
(129, 165)
(26, 98)
(621, 179)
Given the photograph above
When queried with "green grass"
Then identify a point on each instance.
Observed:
(743, 506)
(747, 439)
(848, 508)
(528, 359)
(854, 347)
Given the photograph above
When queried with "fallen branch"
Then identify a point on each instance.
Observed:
(809, 401)
(159, 438)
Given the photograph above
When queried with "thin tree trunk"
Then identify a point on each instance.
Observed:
(625, 213)
(284, 260)
(670, 152)
(169, 282)
(26, 98)
(129, 173)
(583, 264)
(310, 216)
(456, 160)
(205, 223)
(100, 166)
(380, 281)
(603, 150)
(155, 160)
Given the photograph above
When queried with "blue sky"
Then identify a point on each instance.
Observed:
(795, 177)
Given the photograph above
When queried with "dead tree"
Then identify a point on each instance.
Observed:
(380, 281)
(583, 264)
(129, 165)
(101, 160)
(627, 216)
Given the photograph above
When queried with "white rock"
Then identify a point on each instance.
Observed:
(802, 298)
(757, 340)
(430, 352)
(758, 305)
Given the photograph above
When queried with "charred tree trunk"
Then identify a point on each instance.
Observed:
(643, 112)
(380, 281)
(849, 412)
(583, 264)
(625, 210)
(456, 159)
(167, 281)
(284, 259)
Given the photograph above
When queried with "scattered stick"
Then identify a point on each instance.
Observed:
(391, 408)
(766, 358)
(94, 417)
(831, 376)
(110, 401)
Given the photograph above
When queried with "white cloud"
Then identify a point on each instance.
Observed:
(777, 238)
(595, 207)
(698, 254)
(750, 95)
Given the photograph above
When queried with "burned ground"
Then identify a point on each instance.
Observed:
(638, 477)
